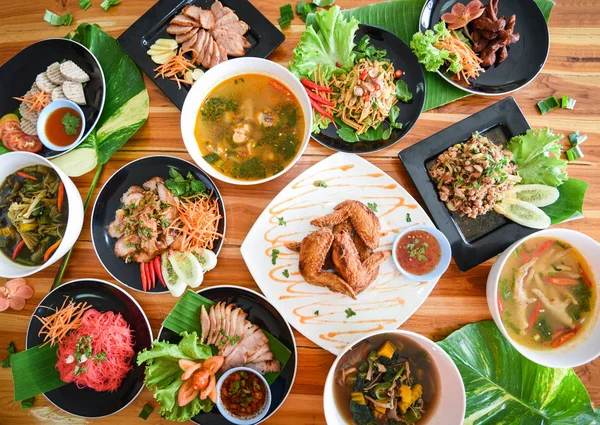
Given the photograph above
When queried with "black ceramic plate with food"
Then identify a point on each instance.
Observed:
(264, 37)
(109, 200)
(403, 59)
(18, 75)
(526, 58)
(263, 314)
(102, 296)
(476, 240)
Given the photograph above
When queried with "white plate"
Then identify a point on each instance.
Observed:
(386, 304)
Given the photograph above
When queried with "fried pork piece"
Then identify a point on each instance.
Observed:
(313, 253)
(364, 221)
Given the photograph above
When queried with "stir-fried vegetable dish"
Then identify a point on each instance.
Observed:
(33, 215)
(546, 294)
(386, 382)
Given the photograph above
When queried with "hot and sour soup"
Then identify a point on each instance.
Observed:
(546, 293)
(250, 127)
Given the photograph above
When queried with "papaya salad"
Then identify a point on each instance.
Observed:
(169, 227)
(354, 87)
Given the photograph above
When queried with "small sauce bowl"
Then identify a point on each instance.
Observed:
(443, 263)
(248, 419)
(43, 121)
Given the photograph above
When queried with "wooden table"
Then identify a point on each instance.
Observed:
(459, 298)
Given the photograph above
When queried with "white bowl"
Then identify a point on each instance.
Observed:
(235, 419)
(442, 266)
(41, 123)
(451, 403)
(580, 350)
(225, 71)
(14, 161)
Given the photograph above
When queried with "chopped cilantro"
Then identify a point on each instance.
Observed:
(320, 183)
(349, 313)
(274, 255)
(286, 273)
(71, 123)
(408, 218)
(281, 221)
(372, 206)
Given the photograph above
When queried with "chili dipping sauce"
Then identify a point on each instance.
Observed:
(418, 252)
(243, 394)
(57, 132)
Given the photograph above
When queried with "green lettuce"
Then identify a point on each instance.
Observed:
(423, 46)
(537, 154)
(330, 45)
(163, 375)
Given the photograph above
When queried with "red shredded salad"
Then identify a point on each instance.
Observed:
(98, 354)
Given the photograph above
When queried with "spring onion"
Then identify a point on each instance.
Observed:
(27, 403)
(57, 20)
(574, 153)
(106, 4)
(548, 105)
(146, 411)
(576, 138)
(11, 350)
(85, 4)
(286, 13)
(567, 102)
(303, 9)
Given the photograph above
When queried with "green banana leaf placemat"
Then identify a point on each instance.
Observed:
(402, 18)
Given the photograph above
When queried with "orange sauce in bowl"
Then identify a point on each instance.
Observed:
(418, 252)
(55, 129)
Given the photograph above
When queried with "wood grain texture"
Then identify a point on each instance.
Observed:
(573, 68)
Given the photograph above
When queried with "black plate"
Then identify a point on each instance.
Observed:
(402, 58)
(103, 296)
(526, 58)
(263, 36)
(18, 74)
(473, 241)
(109, 200)
(261, 313)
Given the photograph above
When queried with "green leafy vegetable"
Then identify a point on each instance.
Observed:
(574, 153)
(346, 133)
(576, 139)
(567, 102)
(146, 411)
(504, 387)
(304, 8)
(212, 157)
(349, 313)
(11, 350)
(274, 255)
(281, 221)
(71, 123)
(323, 3)
(184, 187)
(402, 92)
(320, 183)
(163, 375)
(548, 105)
(27, 403)
(286, 273)
(107, 4)
(58, 20)
(423, 46)
(537, 154)
(372, 206)
(332, 43)
(85, 4)
(286, 14)
(365, 49)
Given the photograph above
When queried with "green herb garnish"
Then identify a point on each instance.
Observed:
(71, 123)
(211, 157)
(372, 206)
(408, 218)
(281, 221)
(274, 255)
(576, 139)
(416, 251)
(349, 313)
(58, 20)
(316, 312)
(567, 102)
(146, 411)
(548, 105)
(574, 153)
(184, 187)
(303, 9)
(320, 183)
(85, 4)
(402, 92)
(286, 14)
(27, 403)
(286, 273)
(106, 4)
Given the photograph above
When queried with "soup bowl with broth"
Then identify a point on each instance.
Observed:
(247, 121)
(542, 292)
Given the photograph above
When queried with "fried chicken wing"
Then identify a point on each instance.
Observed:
(313, 252)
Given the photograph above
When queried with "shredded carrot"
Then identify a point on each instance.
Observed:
(37, 101)
(64, 319)
(175, 68)
(198, 222)
(469, 60)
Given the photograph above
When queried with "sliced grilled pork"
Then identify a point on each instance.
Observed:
(182, 38)
(228, 18)
(223, 53)
(200, 46)
(218, 9)
(266, 366)
(230, 34)
(185, 20)
(238, 27)
(178, 29)
(204, 323)
(192, 12)
(208, 53)
(207, 19)
(187, 45)
(245, 349)
(216, 56)
(231, 46)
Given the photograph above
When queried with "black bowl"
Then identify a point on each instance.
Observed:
(526, 58)
(109, 200)
(402, 58)
(103, 296)
(18, 74)
(261, 313)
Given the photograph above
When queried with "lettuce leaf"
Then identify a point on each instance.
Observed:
(423, 46)
(331, 44)
(537, 154)
(163, 375)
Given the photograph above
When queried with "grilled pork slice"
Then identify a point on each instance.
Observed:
(178, 29)
(208, 53)
(216, 57)
(266, 366)
(223, 53)
(253, 340)
(182, 38)
(192, 12)
(238, 27)
(200, 46)
(188, 44)
(185, 20)
(231, 46)
(234, 36)
(219, 10)
(228, 18)
(207, 19)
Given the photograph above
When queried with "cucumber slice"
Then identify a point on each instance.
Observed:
(538, 195)
(187, 267)
(207, 259)
(523, 213)
(175, 285)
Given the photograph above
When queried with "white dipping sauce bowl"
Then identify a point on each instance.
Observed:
(43, 118)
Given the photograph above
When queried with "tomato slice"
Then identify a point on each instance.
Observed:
(213, 364)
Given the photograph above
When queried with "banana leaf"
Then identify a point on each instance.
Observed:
(503, 387)
(34, 372)
(185, 317)
(401, 17)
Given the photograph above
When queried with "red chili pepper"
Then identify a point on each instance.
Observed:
(376, 86)
(366, 97)
(314, 86)
(279, 87)
(500, 306)
(534, 314)
(150, 268)
(398, 73)
(363, 75)
(338, 64)
(158, 271)
(26, 176)
(320, 110)
(543, 248)
(318, 98)
(564, 338)
(61, 196)
(17, 250)
(143, 274)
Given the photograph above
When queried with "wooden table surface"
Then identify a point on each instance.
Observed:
(459, 298)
